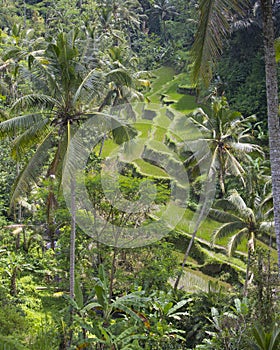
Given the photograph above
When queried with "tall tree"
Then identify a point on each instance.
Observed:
(64, 89)
(239, 222)
(213, 29)
(272, 110)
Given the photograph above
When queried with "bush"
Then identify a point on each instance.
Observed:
(12, 320)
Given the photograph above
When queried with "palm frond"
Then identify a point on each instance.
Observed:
(222, 216)
(267, 226)
(56, 166)
(212, 31)
(224, 204)
(32, 136)
(34, 101)
(122, 133)
(35, 75)
(227, 229)
(18, 53)
(92, 83)
(32, 169)
(120, 77)
(236, 240)
(246, 147)
(237, 201)
(14, 125)
(234, 166)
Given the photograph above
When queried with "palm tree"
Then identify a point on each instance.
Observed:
(212, 31)
(228, 140)
(66, 88)
(116, 21)
(123, 82)
(126, 14)
(164, 10)
(239, 222)
(122, 78)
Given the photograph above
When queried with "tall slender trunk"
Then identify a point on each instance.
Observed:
(245, 290)
(19, 218)
(72, 239)
(13, 286)
(185, 260)
(221, 172)
(272, 112)
(72, 254)
(113, 271)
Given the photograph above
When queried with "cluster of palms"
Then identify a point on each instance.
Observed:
(214, 27)
(68, 82)
(240, 220)
(232, 154)
(59, 84)
(68, 87)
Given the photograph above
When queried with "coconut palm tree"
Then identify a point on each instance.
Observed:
(67, 87)
(239, 222)
(212, 31)
(122, 78)
(65, 90)
(164, 10)
(228, 140)
(225, 133)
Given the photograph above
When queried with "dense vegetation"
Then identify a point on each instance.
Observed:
(166, 239)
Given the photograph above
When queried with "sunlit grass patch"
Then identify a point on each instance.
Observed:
(149, 170)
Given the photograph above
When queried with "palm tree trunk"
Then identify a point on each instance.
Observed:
(72, 254)
(113, 270)
(222, 174)
(13, 288)
(72, 239)
(185, 260)
(19, 218)
(272, 111)
(245, 291)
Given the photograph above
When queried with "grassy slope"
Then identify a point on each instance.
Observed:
(165, 83)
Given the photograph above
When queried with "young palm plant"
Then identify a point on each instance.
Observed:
(239, 222)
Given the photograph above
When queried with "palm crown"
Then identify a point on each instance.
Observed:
(239, 221)
(66, 87)
(228, 140)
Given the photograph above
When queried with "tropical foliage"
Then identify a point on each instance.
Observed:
(164, 85)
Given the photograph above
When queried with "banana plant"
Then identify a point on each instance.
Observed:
(109, 321)
(164, 311)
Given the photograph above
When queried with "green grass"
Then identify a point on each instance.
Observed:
(162, 75)
(109, 147)
(144, 129)
(185, 104)
(149, 170)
